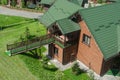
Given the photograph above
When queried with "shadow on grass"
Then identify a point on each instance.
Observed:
(30, 55)
(12, 25)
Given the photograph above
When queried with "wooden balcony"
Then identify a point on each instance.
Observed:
(63, 41)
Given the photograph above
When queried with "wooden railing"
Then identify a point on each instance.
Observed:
(59, 40)
(24, 46)
(28, 42)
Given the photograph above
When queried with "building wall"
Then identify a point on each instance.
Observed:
(69, 54)
(65, 55)
(90, 55)
(58, 56)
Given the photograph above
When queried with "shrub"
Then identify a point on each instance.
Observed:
(76, 70)
(49, 67)
(13, 3)
(45, 60)
(100, 1)
(23, 4)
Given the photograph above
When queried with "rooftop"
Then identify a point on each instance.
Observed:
(78, 2)
(67, 26)
(104, 24)
(48, 2)
(59, 10)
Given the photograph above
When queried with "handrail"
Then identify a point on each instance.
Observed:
(23, 43)
(33, 43)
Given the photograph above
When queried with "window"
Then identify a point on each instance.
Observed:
(55, 50)
(86, 39)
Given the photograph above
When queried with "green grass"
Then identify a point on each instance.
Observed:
(14, 68)
(7, 20)
(68, 73)
(36, 67)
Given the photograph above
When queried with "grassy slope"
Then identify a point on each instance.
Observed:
(7, 20)
(13, 68)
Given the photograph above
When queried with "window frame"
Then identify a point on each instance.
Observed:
(86, 39)
(56, 51)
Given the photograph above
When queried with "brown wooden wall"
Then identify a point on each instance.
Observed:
(91, 56)
(70, 54)
(58, 56)
(64, 54)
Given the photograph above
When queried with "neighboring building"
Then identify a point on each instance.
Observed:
(48, 3)
(19, 3)
(90, 35)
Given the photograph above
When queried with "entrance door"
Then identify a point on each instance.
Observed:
(72, 57)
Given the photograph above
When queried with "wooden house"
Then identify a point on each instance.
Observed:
(90, 35)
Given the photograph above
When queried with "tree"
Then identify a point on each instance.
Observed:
(27, 33)
(13, 3)
(100, 1)
(3, 2)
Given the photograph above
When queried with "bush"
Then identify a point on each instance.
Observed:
(76, 70)
(45, 60)
(23, 4)
(3, 2)
(50, 67)
(13, 3)
(100, 1)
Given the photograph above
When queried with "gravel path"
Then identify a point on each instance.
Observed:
(7, 11)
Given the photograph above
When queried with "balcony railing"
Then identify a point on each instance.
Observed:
(37, 42)
(28, 42)
(58, 39)
(64, 41)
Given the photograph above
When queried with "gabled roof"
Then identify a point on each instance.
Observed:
(67, 26)
(104, 24)
(48, 2)
(78, 2)
(59, 10)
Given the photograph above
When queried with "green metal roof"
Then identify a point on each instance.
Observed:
(59, 10)
(49, 2)
(78, 2)
(67, 26)
(115, 0)
(104, 24)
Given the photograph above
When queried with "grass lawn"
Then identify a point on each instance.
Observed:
(36, 68)
(14, 68)
(68, 73)
(7, 20)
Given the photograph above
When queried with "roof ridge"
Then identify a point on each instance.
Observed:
(98, 6)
